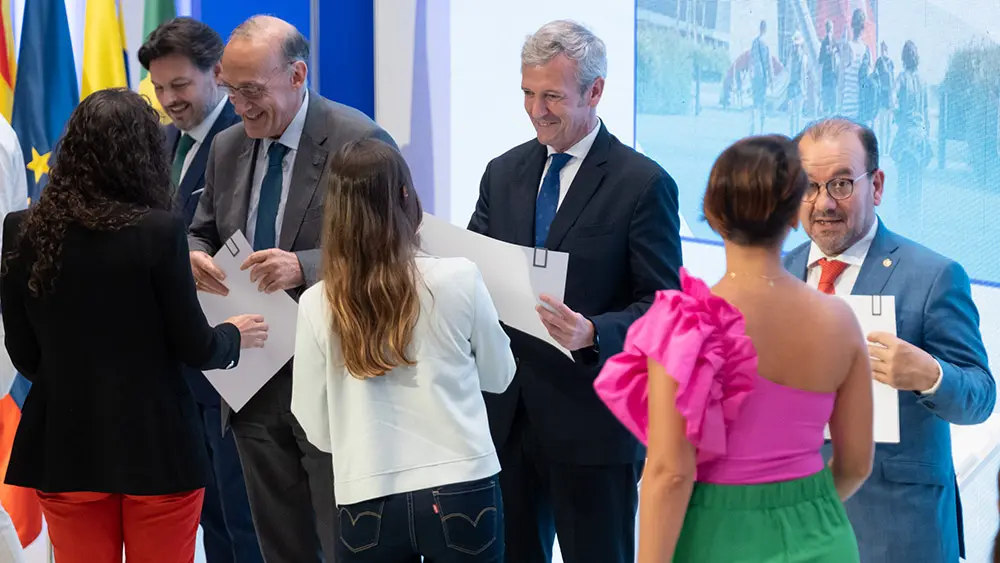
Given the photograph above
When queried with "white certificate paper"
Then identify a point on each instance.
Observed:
(257, 365)
(514, 275)
(877, 313)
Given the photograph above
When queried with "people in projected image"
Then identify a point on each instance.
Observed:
(733, 385)
(761, 79)
(911, 149)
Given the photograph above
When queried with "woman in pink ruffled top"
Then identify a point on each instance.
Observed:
(731, 387)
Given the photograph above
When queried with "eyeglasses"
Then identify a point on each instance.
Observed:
(251, 91)
(838, 188)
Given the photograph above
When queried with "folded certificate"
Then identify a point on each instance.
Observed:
(514, 275)
(257, 365)
(877, 313)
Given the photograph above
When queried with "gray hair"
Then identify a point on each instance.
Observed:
(294, 46)
(579, 44)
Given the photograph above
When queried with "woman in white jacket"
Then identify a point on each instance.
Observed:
(393, 351)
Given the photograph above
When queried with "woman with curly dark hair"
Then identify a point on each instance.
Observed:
(100, 311)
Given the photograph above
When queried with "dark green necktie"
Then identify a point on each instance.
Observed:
(183, 146)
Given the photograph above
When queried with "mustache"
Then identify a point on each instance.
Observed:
(828, 216)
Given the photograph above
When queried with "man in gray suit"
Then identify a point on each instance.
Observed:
(267, 177)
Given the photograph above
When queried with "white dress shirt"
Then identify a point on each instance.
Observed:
(844, 285)
(579, 152)
(418, 426)
(290, 138)
(199, 133)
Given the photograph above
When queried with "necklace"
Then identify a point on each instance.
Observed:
(770, 279)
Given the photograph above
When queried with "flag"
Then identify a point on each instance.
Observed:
(103, 48)
(20, 503)
(155, 13)
(46, 90)
(8, 61)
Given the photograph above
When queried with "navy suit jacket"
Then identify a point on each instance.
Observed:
(909, 509)
(186, 201)
(620, 225)
(193, 183)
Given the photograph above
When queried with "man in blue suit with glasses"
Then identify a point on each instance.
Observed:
(909, 509)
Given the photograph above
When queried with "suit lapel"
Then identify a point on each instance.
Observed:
(879, 264)
(310, 158)
(588, 178)
(796, 262)
(244, 182)
(529, 177)
(196, 170)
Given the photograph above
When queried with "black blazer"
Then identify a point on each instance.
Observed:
(186, 202)
(620, 225)
(193, 183)
(109, 410)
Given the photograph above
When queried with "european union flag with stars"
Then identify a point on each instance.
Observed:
(45, 92)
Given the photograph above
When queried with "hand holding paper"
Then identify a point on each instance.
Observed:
(570, 329)
(208, 277)
(901, 365)
(274, 270)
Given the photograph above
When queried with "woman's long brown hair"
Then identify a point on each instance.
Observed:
(369, 247)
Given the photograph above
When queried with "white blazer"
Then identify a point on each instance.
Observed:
(415, 427)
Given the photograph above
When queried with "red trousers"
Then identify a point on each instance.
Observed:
(93, 527)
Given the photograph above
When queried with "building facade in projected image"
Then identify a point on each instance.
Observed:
(923, 73)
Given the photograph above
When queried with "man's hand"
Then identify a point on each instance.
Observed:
(274, 270)
(570, 329)
(207, 276)
(901, 365)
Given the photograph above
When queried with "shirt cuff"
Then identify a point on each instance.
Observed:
(937, 383)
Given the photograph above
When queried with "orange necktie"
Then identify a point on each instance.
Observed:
(830, 271)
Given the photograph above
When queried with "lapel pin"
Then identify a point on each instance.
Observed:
(887, 262)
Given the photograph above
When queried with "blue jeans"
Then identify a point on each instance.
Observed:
(455, 523)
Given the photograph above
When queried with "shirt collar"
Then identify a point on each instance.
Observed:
(582, 147)
(854, 256)
(290, 138)
(200, 132)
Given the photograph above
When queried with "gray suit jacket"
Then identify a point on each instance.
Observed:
(224, 204)
(223, 207)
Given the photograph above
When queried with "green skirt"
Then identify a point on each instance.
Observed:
(795, 521)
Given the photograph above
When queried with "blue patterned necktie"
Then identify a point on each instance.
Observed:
(548, 198)
(264, 235)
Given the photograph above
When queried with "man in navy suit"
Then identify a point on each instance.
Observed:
(569, 467)
(182, 56)
(909, 509)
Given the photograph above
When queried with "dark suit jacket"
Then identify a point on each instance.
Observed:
(909, 509)
(620, 225)
(186, 201)
(109, 410)
(222, 209)
(193, 183)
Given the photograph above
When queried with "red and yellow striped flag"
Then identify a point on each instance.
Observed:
(8, 61)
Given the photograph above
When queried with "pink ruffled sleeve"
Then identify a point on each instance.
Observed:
(700, 340)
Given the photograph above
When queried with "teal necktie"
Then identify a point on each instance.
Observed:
(264, 236)
(183, 147)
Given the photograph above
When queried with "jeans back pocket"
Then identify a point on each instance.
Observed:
(471, 516)
(360, 525)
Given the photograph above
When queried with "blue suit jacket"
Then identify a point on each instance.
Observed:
(909, 509)
(186, 201)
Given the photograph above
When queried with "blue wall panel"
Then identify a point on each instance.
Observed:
(347, 53)
(225, 15)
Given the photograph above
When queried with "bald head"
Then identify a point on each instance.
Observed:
(264, 68)
(276, 33)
